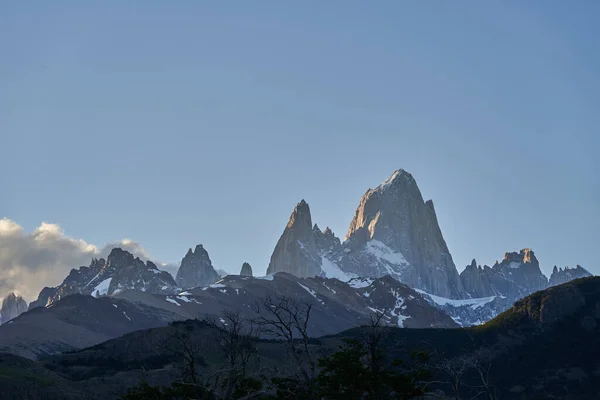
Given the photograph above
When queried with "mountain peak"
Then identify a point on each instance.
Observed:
(397, 176)
(119, 257)
(296, 250)
(12, 306)
(196, 269)
(300, 215)
(395, 215)
(246, 270)
(525, 256)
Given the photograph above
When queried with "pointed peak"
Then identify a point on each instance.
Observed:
(302, 206)
(555, 269)
(473, 264)
(151, 265)
(316, 228)
(11, 296)
(199, 248)
(246, 269)
(301, 213)
(328, 231)
(397, 176)
(189, 252)
(120, 257)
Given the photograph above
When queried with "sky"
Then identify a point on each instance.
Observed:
(171, 124)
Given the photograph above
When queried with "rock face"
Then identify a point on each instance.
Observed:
(44, 298)
(196, 269)
(296, 251)
(567, 274)
(246, 270)
(12, 307)
(120, 271)
(394, 232)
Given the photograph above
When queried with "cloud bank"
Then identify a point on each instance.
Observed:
(44, 257)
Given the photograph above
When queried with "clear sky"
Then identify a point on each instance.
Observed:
(178, 123)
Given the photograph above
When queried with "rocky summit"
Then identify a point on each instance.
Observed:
(196, 269)
(12, 307)
(246, 270)
(394, 232)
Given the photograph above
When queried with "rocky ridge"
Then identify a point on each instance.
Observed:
(560, 275)
(120, 271)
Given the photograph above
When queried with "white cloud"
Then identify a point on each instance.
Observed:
(44, 257)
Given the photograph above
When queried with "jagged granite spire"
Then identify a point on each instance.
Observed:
(395, 215)
(560, 275)
(196, 269)
(246, 270)
(12, 307)
(296, 251)
(516, 276)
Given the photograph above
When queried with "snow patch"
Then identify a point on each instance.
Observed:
(265, 278)
(383, 252)
(331, 270)
(474, 303)
(358, 283)
(215, 286)
(312, 292)
(126, 316)
(170, 300)
(514, 265)
(187, 299)
(102, 288)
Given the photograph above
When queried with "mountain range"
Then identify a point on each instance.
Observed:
(393, 261)
(544, 347)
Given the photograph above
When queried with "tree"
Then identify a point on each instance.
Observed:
(286, 319)
(235, 336)
(361, 369)
(183, 345)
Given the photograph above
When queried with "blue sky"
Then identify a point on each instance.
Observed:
(178, 123)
